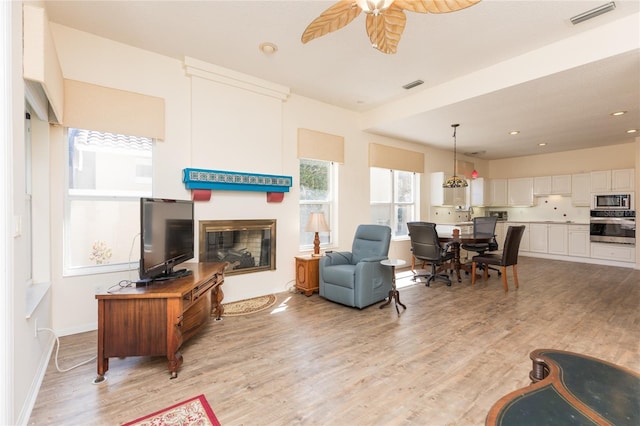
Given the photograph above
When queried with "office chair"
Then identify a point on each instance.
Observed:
(426, 247)
(484, 226)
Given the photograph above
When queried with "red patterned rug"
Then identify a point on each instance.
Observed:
(192, 412)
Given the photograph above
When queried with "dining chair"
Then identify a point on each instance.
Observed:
(426, 247)
(484, 226)
(509, 257)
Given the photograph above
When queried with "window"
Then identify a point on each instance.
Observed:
(317, 194)
(27, 228)
(394, 199)
(107, 175)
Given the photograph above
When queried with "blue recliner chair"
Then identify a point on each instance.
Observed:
(357, 278)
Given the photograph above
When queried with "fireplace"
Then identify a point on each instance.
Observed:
(247, 245)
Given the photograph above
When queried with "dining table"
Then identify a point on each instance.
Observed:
(456, 239)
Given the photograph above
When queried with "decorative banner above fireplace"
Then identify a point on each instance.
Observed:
(202, 181)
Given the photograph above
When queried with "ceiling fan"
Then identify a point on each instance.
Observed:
(385, 18)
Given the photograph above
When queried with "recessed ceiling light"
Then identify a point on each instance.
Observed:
(617, 113)
(632, 130)
(268, 48)
(542, 144)
(514, 132)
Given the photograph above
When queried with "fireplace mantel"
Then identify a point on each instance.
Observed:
(202, 181)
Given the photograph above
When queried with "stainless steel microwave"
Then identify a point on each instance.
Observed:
(612, 202)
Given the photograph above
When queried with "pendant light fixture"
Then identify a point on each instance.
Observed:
(454, 181)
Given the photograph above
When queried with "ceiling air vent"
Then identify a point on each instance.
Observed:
(412, 84)
(608, 7)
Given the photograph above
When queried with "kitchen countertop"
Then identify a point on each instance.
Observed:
(560, 222)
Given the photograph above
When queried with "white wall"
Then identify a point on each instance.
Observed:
(579, 161)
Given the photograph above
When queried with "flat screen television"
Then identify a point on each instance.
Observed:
(166, 237)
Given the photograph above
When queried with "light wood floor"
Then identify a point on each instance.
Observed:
(444, 361)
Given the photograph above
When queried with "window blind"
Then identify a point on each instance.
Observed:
(388, 157)
(320, 146)
(92, 107)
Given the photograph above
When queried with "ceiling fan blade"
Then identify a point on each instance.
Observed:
(332, 19)
(434, 6)
(385, 29)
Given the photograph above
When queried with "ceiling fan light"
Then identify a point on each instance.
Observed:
(374, 6)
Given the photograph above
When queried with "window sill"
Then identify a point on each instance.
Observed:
(35, 294)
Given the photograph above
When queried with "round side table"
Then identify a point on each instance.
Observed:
(393, 293)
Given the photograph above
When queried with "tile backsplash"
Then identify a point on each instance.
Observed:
(553, 207)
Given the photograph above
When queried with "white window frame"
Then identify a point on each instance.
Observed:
(327, 240)
(392, 204)
(98, 195)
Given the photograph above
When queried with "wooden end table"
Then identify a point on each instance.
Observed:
(307, 278)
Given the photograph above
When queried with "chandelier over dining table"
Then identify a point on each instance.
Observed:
(455, 181)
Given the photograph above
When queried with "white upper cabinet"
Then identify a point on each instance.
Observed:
(548, 185)
(447, 196)
(623, 180)
(613, 180)
(479, 192)
(581, 190)
(520, 192)
(601, 181)
(498, 192)
(542, 185)
(561, 184)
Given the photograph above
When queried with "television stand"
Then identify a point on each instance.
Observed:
(157, 319)
(178, 273)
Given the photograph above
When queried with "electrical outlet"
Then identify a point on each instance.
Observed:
(35, 327)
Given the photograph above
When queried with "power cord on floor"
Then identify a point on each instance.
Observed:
(58, 348)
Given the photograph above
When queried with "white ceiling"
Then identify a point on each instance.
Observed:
(494, 67)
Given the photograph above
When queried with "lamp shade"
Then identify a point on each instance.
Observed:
(317, 223)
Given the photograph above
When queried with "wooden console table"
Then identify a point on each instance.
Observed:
(156, 319)
(571, 389)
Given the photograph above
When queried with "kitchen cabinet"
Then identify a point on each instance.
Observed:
(479, 192)
(542, 185)
(578, 240)
(498, 192)
(550, 185)
(581, 190)
(612, 180)
(524, 243)
(538, 237)
(557, 239)
(561, 185)
(447, 196)
(623, 180)
(520, 192)
(601, 181)
(619, 252)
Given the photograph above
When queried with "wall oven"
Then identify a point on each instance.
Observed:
(612, 202)
(613, 226)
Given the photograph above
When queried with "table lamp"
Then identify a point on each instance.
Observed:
(316, 223)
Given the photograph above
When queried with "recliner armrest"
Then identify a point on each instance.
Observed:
(373, 259)
(338, 258)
